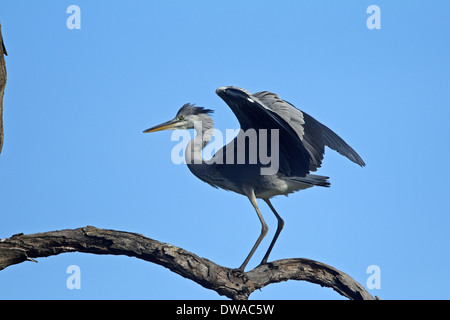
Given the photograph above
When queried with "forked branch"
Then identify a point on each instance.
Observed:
(224, 281)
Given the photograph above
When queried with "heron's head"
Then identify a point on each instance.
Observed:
(186, 117)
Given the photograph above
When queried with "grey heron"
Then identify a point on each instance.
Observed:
(299, 148)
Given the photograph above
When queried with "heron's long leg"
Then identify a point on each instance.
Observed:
(277, 233)
(264, 230)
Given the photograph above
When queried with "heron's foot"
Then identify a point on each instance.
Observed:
(263, 262)
(238, 273)
(268, 264)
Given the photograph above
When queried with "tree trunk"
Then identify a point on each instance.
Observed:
(2, 85)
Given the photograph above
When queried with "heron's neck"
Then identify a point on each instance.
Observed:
(193, 154)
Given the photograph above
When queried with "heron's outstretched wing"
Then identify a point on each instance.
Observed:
(314, 135)
(294, 159)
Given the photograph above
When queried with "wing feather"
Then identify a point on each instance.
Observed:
(314, 135)
(252, 113)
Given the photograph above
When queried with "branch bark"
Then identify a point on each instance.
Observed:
(2, 84)
(224, 281)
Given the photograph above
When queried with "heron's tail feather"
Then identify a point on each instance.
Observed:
(313, 180)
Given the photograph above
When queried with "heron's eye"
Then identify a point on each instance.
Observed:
(181, 117)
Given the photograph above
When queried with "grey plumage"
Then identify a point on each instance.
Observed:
(191, 109)
(300, 149)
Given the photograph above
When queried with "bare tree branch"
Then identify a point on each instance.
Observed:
(2, 84)
(224, 281)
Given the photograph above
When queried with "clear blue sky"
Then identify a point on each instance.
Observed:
(76, 103)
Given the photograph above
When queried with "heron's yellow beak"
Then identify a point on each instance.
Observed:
(171, 124)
